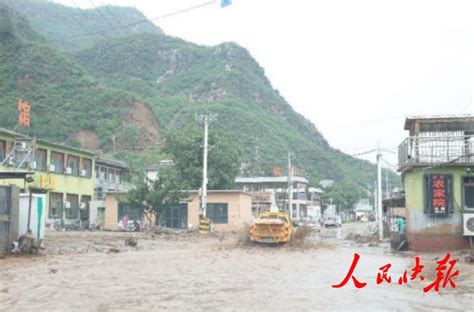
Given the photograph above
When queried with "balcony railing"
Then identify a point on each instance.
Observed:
(436, 150)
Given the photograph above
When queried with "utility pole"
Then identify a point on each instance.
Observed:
(290, 186)
(379, 193)
(204, 168)
(205, 119)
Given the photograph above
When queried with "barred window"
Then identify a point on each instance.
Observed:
(218, 213)
(72, 205)
(56, 205)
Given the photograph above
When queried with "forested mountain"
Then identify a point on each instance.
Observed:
(143, 82)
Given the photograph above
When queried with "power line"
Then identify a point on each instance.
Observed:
(80, 24)
(103, 17)
(152, 19)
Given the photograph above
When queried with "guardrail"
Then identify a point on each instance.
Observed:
(436, 150)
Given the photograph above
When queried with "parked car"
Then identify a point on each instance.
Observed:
(313, 224)
(333, 221)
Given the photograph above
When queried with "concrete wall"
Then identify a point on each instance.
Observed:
(426, 232)
(239, 209)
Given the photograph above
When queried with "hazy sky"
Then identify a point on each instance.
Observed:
(355, 68)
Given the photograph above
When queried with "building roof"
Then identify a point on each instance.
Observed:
(111, 162)
(46, 142)
(221, 191)
(410, 120)
(282, 179)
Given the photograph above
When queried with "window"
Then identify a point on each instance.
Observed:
(84, 207)
(111, 176)
(103, 174)
(438, 189)
(217, 212)
(468, 192)
(72, 205)
(73, 165)
(3, 150)
(57, 160)
(87, 167)
(56, 205)
(99, 193)
(40, 159)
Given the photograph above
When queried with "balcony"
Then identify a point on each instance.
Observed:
(436, 150)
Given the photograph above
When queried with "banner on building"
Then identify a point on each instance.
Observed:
(23, 113)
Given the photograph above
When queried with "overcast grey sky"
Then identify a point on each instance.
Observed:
(355, 68)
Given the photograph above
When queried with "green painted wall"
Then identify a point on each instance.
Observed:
(417, 220)
(64, 183)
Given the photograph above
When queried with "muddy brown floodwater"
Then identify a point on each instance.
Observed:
(187, 272)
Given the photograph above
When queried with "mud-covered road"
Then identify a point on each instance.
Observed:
(83, 271)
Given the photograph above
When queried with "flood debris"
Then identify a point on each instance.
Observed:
(132, 242)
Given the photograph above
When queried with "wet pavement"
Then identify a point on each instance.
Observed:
(188, 272)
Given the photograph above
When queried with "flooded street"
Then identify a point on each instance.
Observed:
(169, 272)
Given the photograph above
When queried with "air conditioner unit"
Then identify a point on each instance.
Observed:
(68, 170)
(52, 168)
(67, 205)
(83, 206)
(468, 224)
(33, 165)
(83, 173)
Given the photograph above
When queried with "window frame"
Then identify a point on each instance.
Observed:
(211, 215)
(45, 167)
(84, 213)
(463, 193)
(88, 172)
(51, 161)
(77, 164)
(61, 204)
(72, 213)
(3, 148)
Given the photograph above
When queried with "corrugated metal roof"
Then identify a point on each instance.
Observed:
(461, 117)
(282, 179)
(111, 162)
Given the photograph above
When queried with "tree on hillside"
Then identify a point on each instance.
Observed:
(186, 149)
(153, 196)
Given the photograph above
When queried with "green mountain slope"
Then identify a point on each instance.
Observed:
(64, 98)
(71, 28)
(180, 79)
(133, 86)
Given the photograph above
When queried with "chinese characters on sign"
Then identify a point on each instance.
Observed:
(444, 274)
(438, 191)
(23, 113)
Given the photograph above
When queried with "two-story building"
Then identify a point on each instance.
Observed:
(306, 201)
(437, 166)
(64, 173)
(109, 187)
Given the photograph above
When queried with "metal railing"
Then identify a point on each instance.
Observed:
(436, 150)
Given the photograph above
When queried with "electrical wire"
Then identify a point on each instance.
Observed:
(152, 19)
(103, 17)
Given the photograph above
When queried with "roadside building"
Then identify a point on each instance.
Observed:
(364, 211)
(65, 173)
(437, 164)
(109, 179)
(306, 201)
(228, 209)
